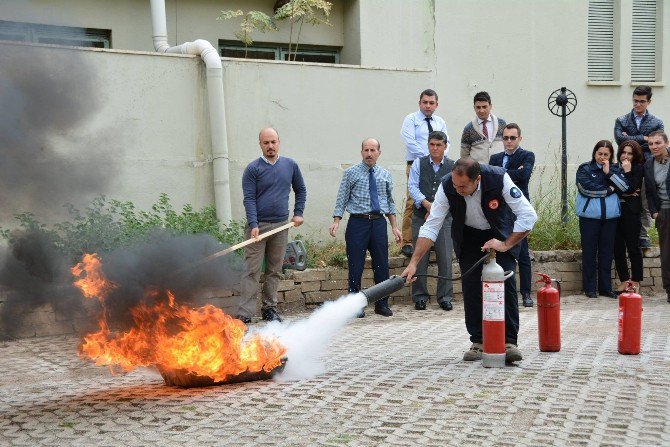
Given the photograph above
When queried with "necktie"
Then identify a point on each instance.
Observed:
(430, 128)
(485, 131)
(505, 160)
(374, 196)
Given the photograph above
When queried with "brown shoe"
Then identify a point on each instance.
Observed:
(475, 353)
(512, 353)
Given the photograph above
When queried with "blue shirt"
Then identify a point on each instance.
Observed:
(413, 181)
(414, 133)
(354, 192)
(266, 188)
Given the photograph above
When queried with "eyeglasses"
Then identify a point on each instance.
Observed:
(510, 138)
(639, 101)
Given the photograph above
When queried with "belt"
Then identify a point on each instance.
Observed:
(371, 216)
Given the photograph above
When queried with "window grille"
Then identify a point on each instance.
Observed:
(644, 41)
(601, 34)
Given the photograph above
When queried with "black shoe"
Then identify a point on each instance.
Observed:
(407, 250)
(420, 305)
(243, 319)
(591, 294)
(527, 300)
(609, 294)
(446, 305)
(383, 310)
(668, 297)
(361, 314)
(644, 243)
(271, 315)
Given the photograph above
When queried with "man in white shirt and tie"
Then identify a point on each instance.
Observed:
(414, 133)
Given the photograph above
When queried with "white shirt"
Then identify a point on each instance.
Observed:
(414, 133)
(489, 126)
(474, 215)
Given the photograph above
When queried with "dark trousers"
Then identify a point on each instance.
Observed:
(367, 235)
(628, 239)
(471, 252)
(525, 271)
(663, 227)
(597, 252)
(443, 249)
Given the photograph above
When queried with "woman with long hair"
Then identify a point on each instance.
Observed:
(631, 161)
(598, 182)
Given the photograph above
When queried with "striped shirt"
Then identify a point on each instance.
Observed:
(354, 193)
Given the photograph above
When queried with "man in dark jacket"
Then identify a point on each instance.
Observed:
(479, 199)
(657, 181)
(637, 126)
(518, 163)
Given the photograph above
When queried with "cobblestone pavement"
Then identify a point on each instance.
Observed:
(389, 381)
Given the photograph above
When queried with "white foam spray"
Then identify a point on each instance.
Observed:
(307, 339)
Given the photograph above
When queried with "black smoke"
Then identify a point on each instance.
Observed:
(49, 156)
(35, 274)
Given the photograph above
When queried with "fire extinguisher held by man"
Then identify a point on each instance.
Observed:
(482, 201)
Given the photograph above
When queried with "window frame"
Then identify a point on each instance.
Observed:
(33, 32)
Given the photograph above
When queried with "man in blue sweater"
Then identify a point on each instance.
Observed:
(266, 185)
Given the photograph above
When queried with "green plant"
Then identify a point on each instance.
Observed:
(108, 224)
(550, 232)
(252, 21)
(297, 12)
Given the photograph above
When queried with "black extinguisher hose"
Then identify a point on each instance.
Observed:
(463, 275)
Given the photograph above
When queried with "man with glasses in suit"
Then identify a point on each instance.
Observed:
(519, 164)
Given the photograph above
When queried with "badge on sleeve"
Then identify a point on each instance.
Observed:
(514, 192)
(493, 204)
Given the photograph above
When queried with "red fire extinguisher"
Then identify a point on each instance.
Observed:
(630, 321)
(549, 315)
(493, 313)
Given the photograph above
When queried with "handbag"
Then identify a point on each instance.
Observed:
(598, 207)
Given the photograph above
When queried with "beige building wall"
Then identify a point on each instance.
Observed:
(153, 118)
(518, 51)
(187, 20)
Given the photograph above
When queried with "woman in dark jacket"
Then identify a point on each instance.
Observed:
(596, 180)
(631, 161)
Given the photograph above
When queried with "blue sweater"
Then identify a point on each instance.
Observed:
(266, 189)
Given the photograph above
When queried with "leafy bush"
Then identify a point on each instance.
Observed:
(108, 224)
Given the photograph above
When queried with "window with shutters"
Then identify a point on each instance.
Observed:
(646, 34)
(603, 34)
(57, 35)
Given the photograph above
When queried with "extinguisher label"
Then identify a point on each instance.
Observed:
(620, 323)
(493, 294)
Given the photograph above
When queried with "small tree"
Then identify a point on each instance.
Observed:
(314, 12)
(252, 21)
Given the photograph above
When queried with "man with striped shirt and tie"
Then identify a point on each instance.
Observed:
(366, 192)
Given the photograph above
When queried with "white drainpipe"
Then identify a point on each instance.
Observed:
(217, 113)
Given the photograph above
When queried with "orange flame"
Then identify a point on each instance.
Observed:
(204, 341)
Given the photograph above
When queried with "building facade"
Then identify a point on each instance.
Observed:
(362, 74)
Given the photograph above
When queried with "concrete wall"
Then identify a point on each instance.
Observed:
(153, 116)
(302, 291)
(517, 50)
(187, 20)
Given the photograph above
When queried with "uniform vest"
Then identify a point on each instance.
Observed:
(498, 214)
(429, 180)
